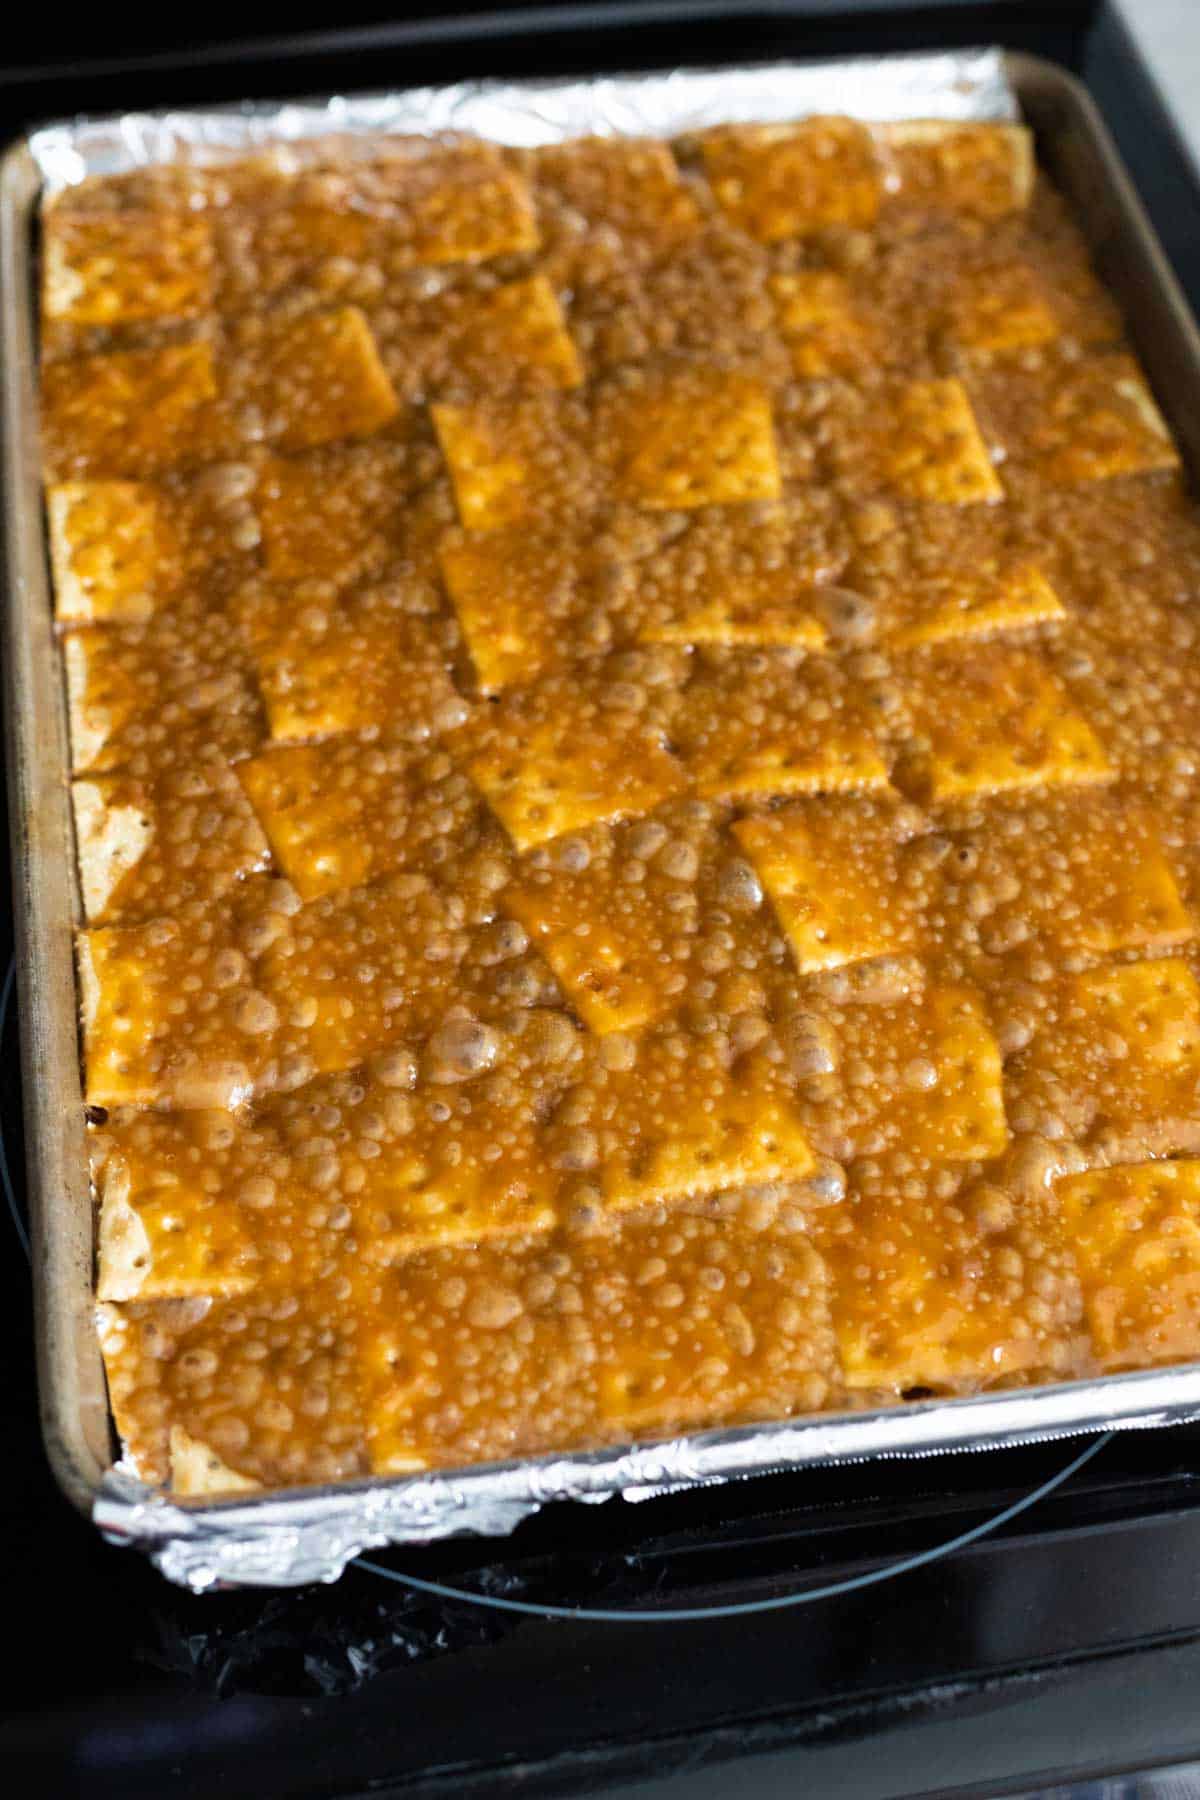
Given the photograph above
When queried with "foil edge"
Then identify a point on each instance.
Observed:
(955, 85)
(283, 1540)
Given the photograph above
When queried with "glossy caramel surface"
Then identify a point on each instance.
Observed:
(635, 756)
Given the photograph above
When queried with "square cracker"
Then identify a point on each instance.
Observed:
(1079, 871)
(452, 1160)
(523, 598)
(973, 602)
(915, 440)
(1135, 1233)
(982, 171)
(1114, 1061)
(454, 203)
(123, 551)
(173, 1011)
(129, 413)
(679, 1121)
(922, 1301)
(781, 181)
(125, 268)
(1105, 423)
(311, 379)
(112, 548)
(743, 575)
(491, 478)
(1000, 308)
(629, 187)
(149, 846)
(825, 331)
(689, 436)
(576, 749)
(164, 694)
(512, 460)
(247, 1391)
(617, 911)
(834, 872)
(363, 661)
(349, 810)
(698, 1323)
(932, 573)
(708, 302)
(925, 1078)
(478, 1354)
(167, 1230)
(333, 514)
(1077, 420)
(293, 243)
(993, 719)
(1157, 1004)
(775, 722)
(513, 334)
(103, 697)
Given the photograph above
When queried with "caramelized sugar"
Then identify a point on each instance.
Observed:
(635, 758)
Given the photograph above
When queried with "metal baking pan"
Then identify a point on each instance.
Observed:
(310, 1534)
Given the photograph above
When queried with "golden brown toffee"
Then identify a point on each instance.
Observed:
(635, 768)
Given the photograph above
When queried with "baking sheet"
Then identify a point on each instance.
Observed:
(310, 1534)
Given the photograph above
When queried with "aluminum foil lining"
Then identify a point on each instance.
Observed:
(287, 1540)
(283, 1540)
(965, 84)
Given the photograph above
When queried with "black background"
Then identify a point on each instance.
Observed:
(1069, 1644)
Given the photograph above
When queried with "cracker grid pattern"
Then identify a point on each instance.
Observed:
(637, 866)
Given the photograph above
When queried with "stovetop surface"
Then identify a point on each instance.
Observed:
(1068, 1643)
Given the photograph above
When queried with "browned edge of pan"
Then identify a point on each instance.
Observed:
(71, 1385)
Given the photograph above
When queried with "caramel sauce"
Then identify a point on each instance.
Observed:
(635, 764)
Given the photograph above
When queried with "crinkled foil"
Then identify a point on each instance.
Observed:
(281, 1540)
(964, 84)
(286, 1540)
